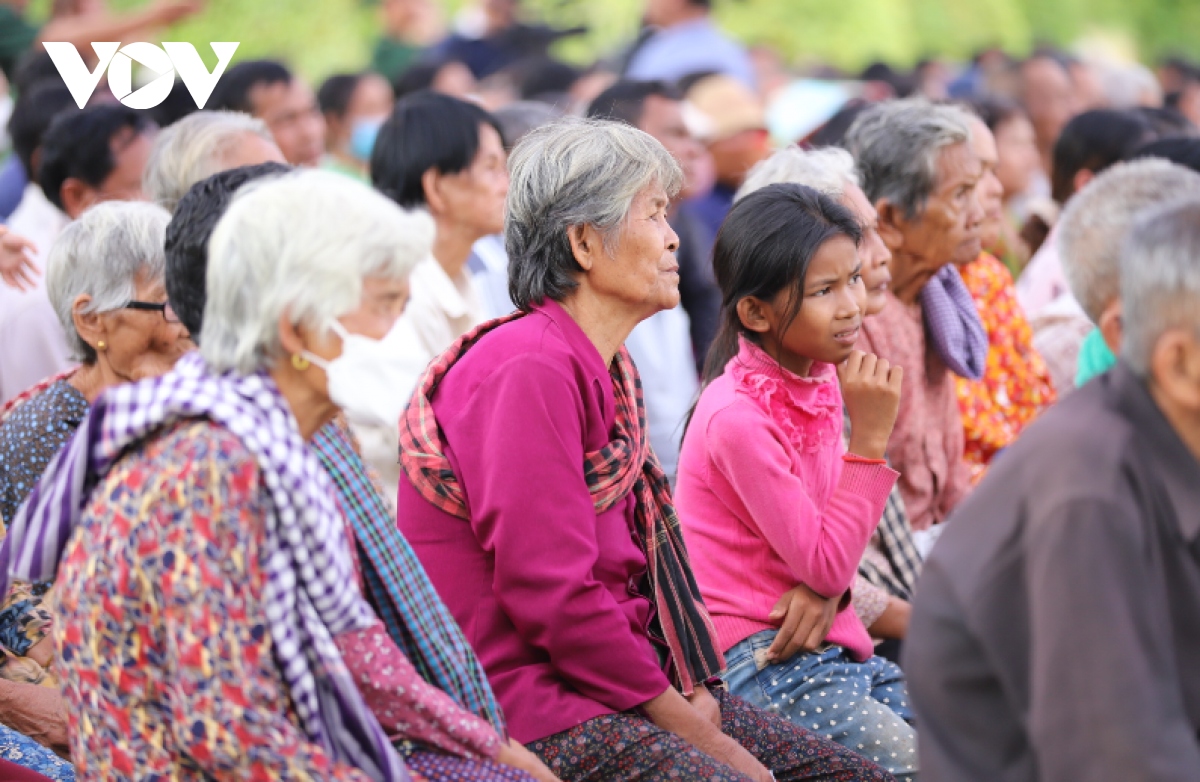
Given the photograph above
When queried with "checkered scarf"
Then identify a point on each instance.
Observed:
(953, 325)
(398, 587)
(311, 593)
(627, 464)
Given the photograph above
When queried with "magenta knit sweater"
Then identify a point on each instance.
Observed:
(766, 500)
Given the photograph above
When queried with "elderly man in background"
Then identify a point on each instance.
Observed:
(1091, 231)
(266, 89)
(919, 170)
(1054, 637)
(200, 145)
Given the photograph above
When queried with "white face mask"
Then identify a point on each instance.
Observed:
(373, 378)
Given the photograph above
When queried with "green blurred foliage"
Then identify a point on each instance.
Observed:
(321, 36)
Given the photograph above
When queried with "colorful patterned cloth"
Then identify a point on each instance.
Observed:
(31, 435)
(1016, 386)
(398, 587)
(34, 426)
(27, 753)
(165, 654)
(626, 464)
(437, 767)
(626, 747)
(311, 592)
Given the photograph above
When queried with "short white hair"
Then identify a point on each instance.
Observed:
(301, 243)
(1160, 278)
(826, 170)
(1097, 219)
(101, 254)
(1129, 85)
(193, 149)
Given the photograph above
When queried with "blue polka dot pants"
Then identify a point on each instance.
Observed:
(862, 706)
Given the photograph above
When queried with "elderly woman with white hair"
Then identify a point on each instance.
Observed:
(888, 572)
(530, 491)
(200, 145)
(105, 281)
(211, 624)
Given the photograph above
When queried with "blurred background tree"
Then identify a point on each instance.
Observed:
(320, 36)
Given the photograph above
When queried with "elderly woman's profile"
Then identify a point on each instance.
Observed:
(530, 491)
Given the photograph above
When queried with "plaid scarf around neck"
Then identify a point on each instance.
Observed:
(311, 593)
(626, 464)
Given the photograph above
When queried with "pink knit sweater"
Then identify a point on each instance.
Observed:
(766, 500)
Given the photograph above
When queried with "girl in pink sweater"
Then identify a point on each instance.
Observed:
(770, 500)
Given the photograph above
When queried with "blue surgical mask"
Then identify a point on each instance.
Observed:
(362, 137)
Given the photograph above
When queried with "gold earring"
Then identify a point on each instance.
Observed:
(300, 362)
(100, 345)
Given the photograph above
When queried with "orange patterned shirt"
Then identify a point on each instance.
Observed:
(1016, 384)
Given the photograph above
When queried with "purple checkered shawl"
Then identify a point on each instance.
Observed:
(311, 593)
(953, 325)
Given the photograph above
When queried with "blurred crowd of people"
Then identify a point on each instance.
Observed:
(478, 416)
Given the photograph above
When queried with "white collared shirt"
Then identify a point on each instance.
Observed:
(661, 347)
(442, 308)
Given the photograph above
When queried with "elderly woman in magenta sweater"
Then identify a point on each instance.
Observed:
(530, 492)
(769, 496)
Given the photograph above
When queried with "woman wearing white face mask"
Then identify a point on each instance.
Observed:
(355, 105)
(194, 502)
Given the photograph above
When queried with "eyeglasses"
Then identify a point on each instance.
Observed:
(168, 314)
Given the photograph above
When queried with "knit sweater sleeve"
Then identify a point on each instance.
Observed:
(821, 546)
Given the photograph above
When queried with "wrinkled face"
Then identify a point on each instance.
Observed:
(827, 325)
(663, 119)
(947, 230)
(989, 190)
(641, 274)
(474, 197)
(141, 343)
(290, 111)
(872, 252)
(1016, 149)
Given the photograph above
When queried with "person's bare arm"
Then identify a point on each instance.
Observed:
(672, 712)
(81, 29)
(893, 622)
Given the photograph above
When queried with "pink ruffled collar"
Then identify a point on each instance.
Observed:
(808, 409)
